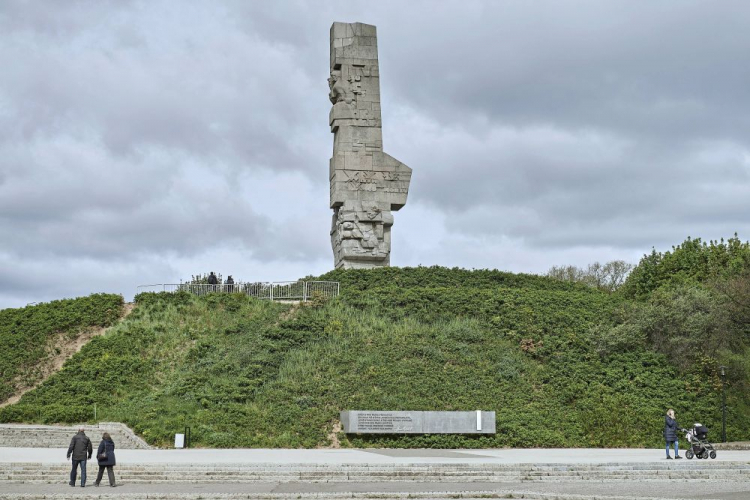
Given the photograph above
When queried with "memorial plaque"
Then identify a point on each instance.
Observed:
(418, 422)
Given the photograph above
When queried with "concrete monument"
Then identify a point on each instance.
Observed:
(367, 185)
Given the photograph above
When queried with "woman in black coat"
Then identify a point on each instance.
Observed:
(670, 433)
(106, 457)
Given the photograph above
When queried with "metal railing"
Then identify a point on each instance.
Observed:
(277, 290)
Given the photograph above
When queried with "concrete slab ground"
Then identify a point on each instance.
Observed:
(579, 490)
(371, 456)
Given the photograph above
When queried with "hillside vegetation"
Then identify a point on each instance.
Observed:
(31, 335)
(562, 364)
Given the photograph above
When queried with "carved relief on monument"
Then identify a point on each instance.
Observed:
(360, 234)
(366, 183)
(341, 90)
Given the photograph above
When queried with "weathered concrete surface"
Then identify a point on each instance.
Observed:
(610, 490)
(418, 422)
(561, 474)
(367, 185)
(379, 456)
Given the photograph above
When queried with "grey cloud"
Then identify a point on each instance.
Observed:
(217, 93)
(642, 68)
(55, 20)
(133, 135)
(585, 123)
(29, 279)
(554, 188)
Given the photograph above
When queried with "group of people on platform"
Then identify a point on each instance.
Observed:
(213, 280)
(80, 451)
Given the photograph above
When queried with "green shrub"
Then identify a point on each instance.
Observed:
(692, 262)
(27, 334)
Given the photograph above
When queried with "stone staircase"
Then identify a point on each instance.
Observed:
(57, 436)
(439, 495)
(389, 495)
(41, 473)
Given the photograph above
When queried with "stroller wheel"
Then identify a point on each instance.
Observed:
(689, 454)
(713, 454)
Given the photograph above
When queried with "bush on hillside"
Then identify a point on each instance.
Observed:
(735, 294)
(688, 324)
(691, 262)
(439, 277)
(27, 334)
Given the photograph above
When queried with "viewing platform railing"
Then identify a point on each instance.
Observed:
(277, 290)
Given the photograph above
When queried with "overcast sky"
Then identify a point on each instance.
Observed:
(143, 142)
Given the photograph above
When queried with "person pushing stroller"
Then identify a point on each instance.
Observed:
(670, 433)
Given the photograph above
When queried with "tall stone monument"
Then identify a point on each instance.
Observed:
(367, 185)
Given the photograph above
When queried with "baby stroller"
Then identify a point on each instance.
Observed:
(699, 445)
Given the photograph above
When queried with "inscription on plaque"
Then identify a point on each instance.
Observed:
(384, 422)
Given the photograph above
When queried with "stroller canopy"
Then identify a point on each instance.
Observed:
(700, 431)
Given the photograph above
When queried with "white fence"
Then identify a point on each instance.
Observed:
(278, 290)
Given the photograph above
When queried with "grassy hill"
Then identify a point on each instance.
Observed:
(247, 373)
(31, 336)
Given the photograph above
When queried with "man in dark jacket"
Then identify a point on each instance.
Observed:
(213, 281)
(80, 449)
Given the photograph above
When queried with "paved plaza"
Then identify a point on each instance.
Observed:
(374, 456)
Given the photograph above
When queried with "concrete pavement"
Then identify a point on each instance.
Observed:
(373, 456)
(580, 490)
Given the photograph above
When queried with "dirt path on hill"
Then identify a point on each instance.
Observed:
(333, 436)
(62, 349)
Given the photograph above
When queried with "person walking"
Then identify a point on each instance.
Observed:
(80, 449)
(670, 433)
(105, 455)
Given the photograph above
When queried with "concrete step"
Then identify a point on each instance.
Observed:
(435, 473)
(390, 495)
(392, 468)
(57, 436)
(687, 465)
